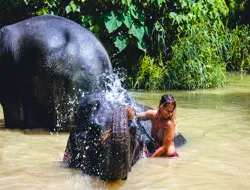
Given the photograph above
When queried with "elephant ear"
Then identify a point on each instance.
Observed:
(120, 145)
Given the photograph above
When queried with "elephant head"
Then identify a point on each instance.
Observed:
(102, 143)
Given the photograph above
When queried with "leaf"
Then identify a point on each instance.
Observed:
(26, 2)
(121, 41)
(183, 4)
(50, 3)
(43, 11)
(73, 6)
(128, 20)
(78, 9)
(126, 2)
(137, 31)
(133, 11)
(95, 28)
(191, 3)
(87, 20)
(141, 45)
(160, 2)
(68, 9)
(129, 2)
(146, 29)
(113, 21)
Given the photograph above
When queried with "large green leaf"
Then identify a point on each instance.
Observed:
(128, 20)
(113, 20)
(134, 11)
(137, 30)
(121, 41)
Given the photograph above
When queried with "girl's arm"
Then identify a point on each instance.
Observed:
(147, 115)
(167, 140)
(141, 115)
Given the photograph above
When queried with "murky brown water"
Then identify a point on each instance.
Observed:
(215, 122)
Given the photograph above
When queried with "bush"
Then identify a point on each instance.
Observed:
(150, 74)
(238, 55)
(197, 58)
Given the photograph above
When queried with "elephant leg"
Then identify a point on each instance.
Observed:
(36, 115)
(10, 99)
(38, 106)
(13, 112)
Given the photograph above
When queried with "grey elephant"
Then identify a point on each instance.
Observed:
(103, 142)
(46, 64)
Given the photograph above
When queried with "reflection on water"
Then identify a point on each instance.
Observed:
(215, 122)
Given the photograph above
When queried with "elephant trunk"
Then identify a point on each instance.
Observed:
(120, 146)
(110, 155)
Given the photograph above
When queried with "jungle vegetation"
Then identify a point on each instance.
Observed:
(161, 44)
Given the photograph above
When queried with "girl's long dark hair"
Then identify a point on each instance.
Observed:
(169, 99)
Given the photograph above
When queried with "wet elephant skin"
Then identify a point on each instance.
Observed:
(46, 63)
(102, 143)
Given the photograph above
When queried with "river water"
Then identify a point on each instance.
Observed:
(216, 124)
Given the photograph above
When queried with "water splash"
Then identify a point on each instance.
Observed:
(66, 103)
(113, 88)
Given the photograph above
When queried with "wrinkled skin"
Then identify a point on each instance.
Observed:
(101, 143)
(46, 63)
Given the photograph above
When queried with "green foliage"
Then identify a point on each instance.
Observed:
(197, 58)
(113, 21)
(237, 12)
(124, 24)
(72, 7)
(191, 12)
(188, 43)
(150, 75)
(238, 55)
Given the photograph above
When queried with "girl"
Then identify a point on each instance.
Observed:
(163, 126)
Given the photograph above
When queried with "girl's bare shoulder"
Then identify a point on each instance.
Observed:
(170, 124)
(151, 113)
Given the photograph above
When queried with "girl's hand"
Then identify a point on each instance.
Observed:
(131, 112)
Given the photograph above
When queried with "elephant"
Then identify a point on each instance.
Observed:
(103, 143)
(47, 63)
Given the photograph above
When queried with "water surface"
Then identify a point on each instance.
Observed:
(216, 124)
